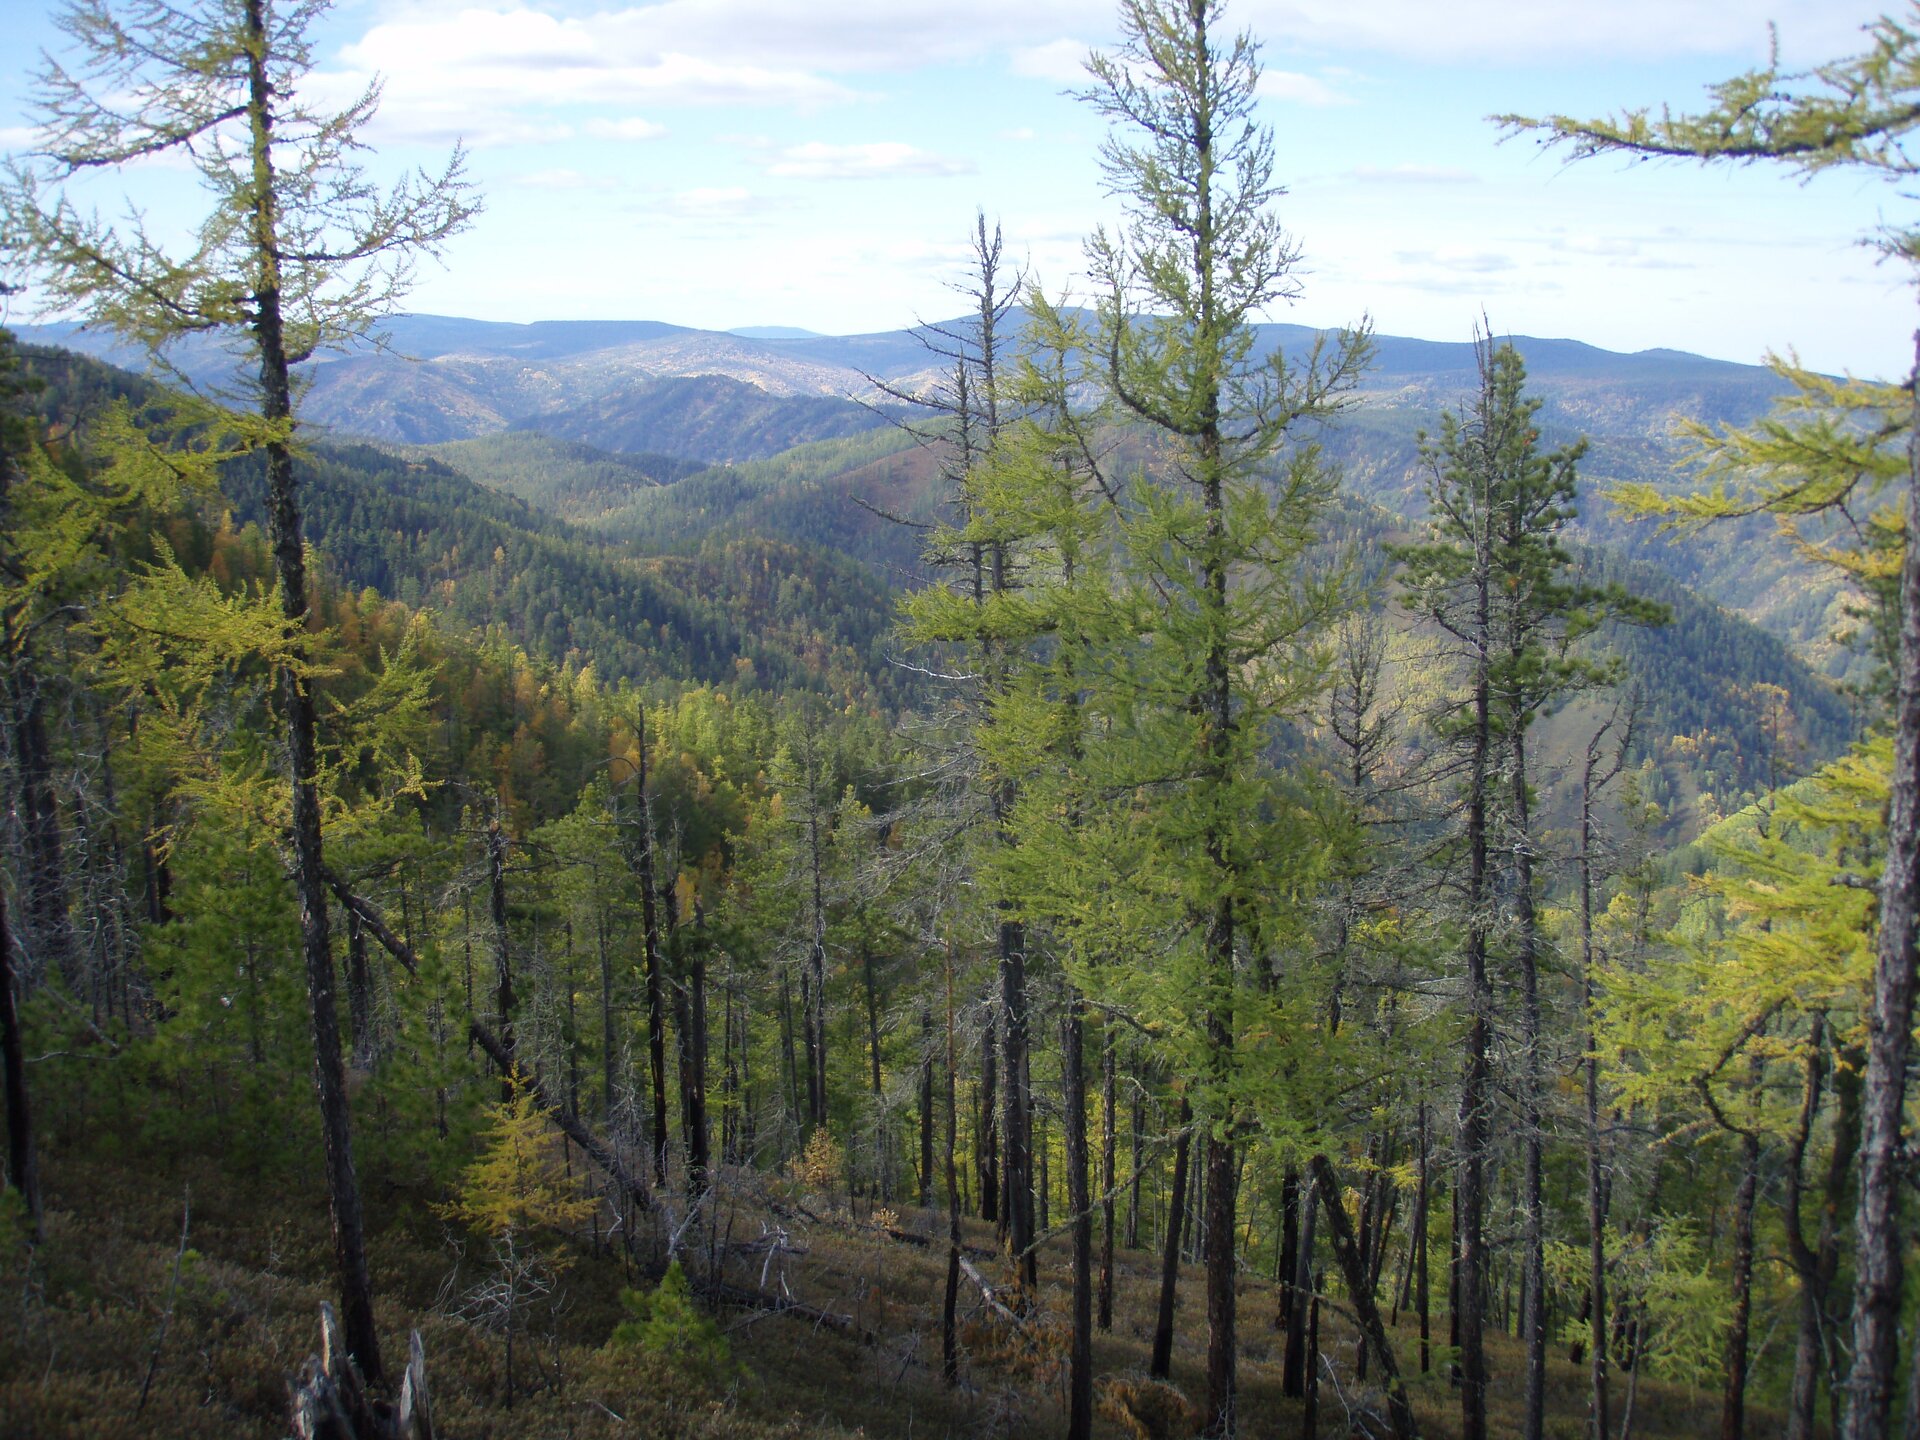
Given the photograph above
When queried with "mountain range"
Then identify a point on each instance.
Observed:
(655, 500)
(611, 390)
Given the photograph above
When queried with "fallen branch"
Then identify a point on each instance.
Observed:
(173, 1291)
(719, 1292)
(374, 921)
(987, 1293)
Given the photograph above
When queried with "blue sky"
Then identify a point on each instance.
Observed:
(818, 162)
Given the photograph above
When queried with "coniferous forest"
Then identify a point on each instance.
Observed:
(1126, 884)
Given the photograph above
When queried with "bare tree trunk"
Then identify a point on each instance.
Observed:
(1733, 1405)
(1598, 1420)
(988, 1159)
(1107, 1164)
(1346, 1251)
(1137, 1143)
(299, 718)
(813, 981)
(502, 944)
(23, 1161)
(1807, 1260)
(883, 1166)
(1476, 1097)
(1422, 1229)
(1878, 1268)
(949, 1342)
(1297, 1363)
(1533, 1279)
(1017, 1127)
(49, 924)
(1310, 1334)
(1162, 1357)
(693, 1079)
(609, 1053)
(1220, 1245)
(1289, 1247)
(1080, 1354)
(789, 1061)
(643, 863)
(359, 992)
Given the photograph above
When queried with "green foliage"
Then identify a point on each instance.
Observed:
(664, 1322)
(518, 1184)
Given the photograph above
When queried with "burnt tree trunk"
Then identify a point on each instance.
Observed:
(1107, 1163)
(1017, 1119)
(642, 858)
(1080, 1354)
(926, 1107)
(23, 1161)
(1878, 1271)
(1353, 1265)
(1162, 1357)
(300, 719)
(1733, 1402)
(1533, 1272)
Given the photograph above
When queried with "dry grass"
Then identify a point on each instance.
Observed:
(78, 1327)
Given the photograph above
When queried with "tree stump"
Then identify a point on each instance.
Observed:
(329, 1400)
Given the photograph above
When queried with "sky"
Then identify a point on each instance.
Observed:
(819, 163)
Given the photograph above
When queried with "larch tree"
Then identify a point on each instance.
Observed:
(1492, 576)
(1855, 114)
(300, 250)
(1216, 530)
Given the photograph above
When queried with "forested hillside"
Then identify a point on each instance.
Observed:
(1097, 869)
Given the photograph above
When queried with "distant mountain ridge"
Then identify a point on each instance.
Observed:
(716, 398)
(436, 378)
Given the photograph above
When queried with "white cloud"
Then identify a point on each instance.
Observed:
(1458, 259)
(1292, 87)
(630, 127)
(561, 180)
(498, 76)
(1021, 136)
(885, 159)
(1499, 30)
(718, 202)
(1062, 61)
(1413, 175)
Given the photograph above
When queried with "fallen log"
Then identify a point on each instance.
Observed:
(719, 1292)
(987, 1292)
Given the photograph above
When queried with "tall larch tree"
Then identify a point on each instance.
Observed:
(1217, 528)
(300, 250)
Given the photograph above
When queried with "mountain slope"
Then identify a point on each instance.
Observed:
(703, 417)
(557, 477)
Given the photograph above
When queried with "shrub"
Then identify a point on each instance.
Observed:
(667, 1324)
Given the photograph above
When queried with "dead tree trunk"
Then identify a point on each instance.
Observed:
(1353, 1266)
(1107, 1160)
(1879, 1273)
(299, 717)
(1080, 1361)
(640, 855)
(949, 1341)
(23, 1161)
(1162, 1358)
